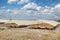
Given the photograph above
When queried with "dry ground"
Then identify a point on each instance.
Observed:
(30, 34)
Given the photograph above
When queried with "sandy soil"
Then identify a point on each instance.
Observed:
(30, 34)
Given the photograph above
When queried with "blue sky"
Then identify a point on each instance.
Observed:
(38, 2)
(30, 9)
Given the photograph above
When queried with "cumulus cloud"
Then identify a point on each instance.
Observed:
(33, 11)
(57, 8)
(18, 1)
(31, 6)
(12, 1)
(23, 1)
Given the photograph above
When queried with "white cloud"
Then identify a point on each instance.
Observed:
(12, 1)
(23, 1)
(47, 7)
(31, 6)
(57, 6)
(18, 1)
(3, 7)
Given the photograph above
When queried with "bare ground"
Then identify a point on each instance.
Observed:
(30, 34)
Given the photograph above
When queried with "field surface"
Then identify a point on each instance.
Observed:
(30, 34)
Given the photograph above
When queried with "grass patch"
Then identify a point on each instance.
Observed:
(1, 28)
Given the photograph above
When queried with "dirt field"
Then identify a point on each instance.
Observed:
(30, 34)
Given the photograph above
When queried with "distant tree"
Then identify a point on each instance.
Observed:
(58, 20)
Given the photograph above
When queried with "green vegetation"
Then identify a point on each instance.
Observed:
(1, 22)
(1, 28)
(58, 20)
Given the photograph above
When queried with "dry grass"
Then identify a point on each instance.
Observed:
(30, 34)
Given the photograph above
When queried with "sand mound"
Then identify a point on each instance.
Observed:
(41, 25)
